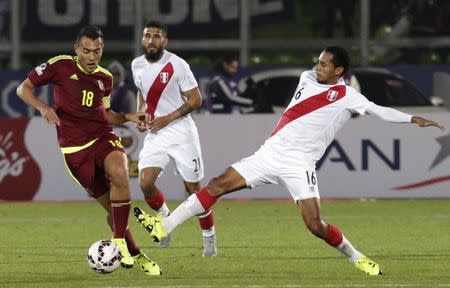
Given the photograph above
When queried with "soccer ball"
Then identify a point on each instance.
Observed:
(104, 256)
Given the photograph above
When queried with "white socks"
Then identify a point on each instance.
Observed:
(186, 210)
(164, 210)
(348, 250)
(209, 233)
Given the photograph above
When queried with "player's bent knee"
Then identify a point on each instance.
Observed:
(119, 177)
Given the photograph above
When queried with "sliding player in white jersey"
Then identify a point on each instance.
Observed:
(322, 103)
(168, 91)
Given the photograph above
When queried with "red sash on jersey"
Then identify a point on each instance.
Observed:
(309, 105)
(157, 88)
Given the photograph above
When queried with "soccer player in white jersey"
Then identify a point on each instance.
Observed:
(168, 91)
(321, 104)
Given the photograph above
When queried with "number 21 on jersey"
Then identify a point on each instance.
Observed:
(88, 98)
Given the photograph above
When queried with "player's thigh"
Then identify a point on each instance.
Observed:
(82, 167)
(301, 182)
(257, 169)
(104, 146)
(188, 161)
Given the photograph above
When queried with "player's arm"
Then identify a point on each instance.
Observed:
(25, 92)
(193, 101)
(141, 107)
(115, 118)
(393, 115)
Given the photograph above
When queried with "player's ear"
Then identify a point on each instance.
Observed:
(339, 71)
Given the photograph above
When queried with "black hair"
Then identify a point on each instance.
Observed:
(89, 31)
(218, 66)
(340, 57)
(227, 59)
(159, 25)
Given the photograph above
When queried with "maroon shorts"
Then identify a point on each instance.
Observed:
(88, 165)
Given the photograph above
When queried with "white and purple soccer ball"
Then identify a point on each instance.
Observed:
(104, 256)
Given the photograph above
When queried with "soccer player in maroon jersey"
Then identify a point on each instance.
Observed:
(93, 153)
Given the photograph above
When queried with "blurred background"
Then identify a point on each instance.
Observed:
(408, 37)
(399, 52)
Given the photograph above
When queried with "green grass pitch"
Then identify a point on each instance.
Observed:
(261, 244)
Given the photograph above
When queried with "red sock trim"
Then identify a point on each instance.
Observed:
(206, 221)
(205, 199)
(334, 236)
(156, 202)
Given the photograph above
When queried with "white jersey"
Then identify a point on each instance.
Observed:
(312, 118)
(161, 84)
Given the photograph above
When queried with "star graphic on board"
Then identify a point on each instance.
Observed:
(444, 141)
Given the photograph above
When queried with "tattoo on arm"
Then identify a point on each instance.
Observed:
(185, 109)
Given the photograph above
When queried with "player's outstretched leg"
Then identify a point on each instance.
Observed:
(148, 266)
(153, 224)
(159, 227)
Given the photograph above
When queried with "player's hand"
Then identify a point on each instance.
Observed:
(159, 122)
(423, 122)
(140, 118)
(49, 114)
(141, 127)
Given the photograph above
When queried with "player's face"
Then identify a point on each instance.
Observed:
(232, 67)
(89, 53)
(327, 73)
(153, 41)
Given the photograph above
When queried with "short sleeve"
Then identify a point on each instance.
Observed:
(186, 79)
(42, 74)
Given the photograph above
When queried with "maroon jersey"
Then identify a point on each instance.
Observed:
(78, 98)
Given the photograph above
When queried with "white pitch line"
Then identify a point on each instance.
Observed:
(290, 286)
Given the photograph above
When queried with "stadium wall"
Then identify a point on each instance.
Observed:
(369, 159)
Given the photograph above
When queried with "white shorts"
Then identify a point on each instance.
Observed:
(187, 157)
(266, 167)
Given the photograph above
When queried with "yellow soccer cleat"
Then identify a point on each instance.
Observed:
(368, 266)
(127, 260)
(148, 266)
(153, 224)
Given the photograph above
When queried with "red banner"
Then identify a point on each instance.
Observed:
(20, 175)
